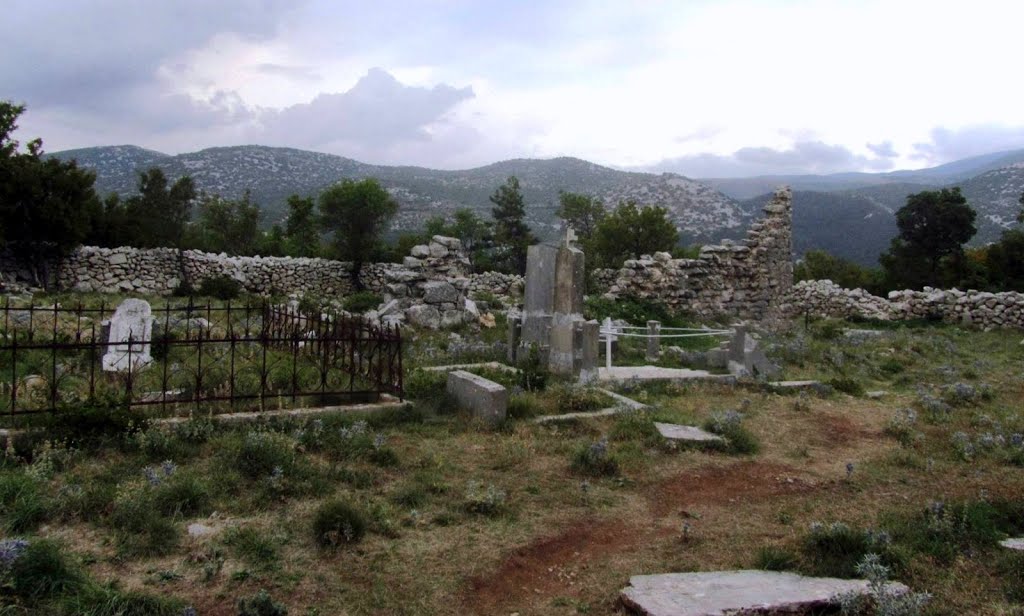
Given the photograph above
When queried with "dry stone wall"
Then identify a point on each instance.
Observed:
(744, 279)
(823, 298)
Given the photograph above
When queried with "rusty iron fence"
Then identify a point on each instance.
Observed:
(216, 358)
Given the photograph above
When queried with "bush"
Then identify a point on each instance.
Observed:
(93, 423)
(427, 389)
(488, 501)
(944, 530)
(595, 460)
(141, 530)
(575, 398)
(251, 545)
(881, 598)
(220, 287)
(338, 523)
(523, 406)
(261, 452)
(21, 502)
(636, 426)
(533, 372)
(847, 386)
(775, 559)
(835, 550)
(39, 570)
(181, 494)
(729, 425)
(361, 302)
(261, 604)
(633, 310)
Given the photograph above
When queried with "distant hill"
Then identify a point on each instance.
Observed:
(949, 173)
(700, 212)
(847, 225)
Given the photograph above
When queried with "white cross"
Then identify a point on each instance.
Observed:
(570, 236)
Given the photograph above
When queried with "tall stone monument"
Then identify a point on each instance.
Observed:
(552, 318)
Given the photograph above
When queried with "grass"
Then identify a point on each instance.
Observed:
(460, 519)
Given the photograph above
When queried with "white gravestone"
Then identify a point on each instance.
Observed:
(132, 320)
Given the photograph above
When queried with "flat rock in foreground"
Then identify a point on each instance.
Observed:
(715, 593)
(675, 432)
(1013, 544)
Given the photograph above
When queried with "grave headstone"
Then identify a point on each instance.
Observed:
(131, 330)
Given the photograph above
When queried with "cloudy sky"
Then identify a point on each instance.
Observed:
(701, 87)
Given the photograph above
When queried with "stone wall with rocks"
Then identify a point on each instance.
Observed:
(430, 288)
(824, 298)
(744, 279)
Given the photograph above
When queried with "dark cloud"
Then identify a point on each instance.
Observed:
(804, 157)
(883, 149)
(378, 110)
(953, 144)
(87, 55)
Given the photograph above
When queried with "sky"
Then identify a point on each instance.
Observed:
(722, 88)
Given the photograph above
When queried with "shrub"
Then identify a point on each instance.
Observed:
(729, 425)
(361, 302)
(523, 406)
(847, 386)
(251, 545)
(944, 530)
(881, 598)
(636, 426)
(632, 310)
(37, 570)
(141, 530)
(533, 372)
(181, 494)
(92, 423)
(901, 426)
(488, 501)
(595, 459)
(835, 550)
(427, 389)
(220, 287)
(338, 523)
(575, 398)
(21, 502)
(261, 604)
(771, 558)
(261, 452)
(827, 329)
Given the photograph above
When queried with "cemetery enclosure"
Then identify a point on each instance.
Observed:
(215, 358)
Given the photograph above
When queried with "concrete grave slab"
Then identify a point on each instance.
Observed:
(484, 398)
(714, 593)
(1016, 543)
(692, 434)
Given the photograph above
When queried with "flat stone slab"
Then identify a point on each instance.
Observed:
(655, 373)
(676, 432)
(1016, 543)
(492, 365)
(625, 405)
(714, 593)
(794, 384)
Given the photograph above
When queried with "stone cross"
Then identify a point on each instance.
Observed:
(570, 237)
(132, 321)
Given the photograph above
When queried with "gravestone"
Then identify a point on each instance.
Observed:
(132, 321)
(552, 317)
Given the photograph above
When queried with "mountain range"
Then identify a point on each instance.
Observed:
(848, 214)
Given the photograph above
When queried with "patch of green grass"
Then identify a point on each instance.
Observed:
(140, 529)
(182, 494)
(945, 530)
(253, 546)
(595, 459)
(771, 558)
(22, 504)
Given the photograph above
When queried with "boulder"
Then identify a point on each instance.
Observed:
(425, 316)
(440, 292)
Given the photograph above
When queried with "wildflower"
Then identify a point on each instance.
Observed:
(378, 441)
(849, 470)
(10, 551)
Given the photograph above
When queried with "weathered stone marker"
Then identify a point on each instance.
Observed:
(654, 341)
(486, 399)
(553, 306)
(132, 321)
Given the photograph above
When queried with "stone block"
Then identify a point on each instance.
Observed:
(589, 347)
(485, 399)
(440, 292)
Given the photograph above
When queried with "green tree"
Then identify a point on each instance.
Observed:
(820, 265)
(582, 212)
(1004, 262)
(229, 225)
(357, 214)
(157, 216)
(1020, 215)
(47, 206)
(933, 225)
(435, 225)
(302, 228)
(630, 231)
(512, 236)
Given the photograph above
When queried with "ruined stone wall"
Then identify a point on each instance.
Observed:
(823, 298)
(156, 271)
(744, 279)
